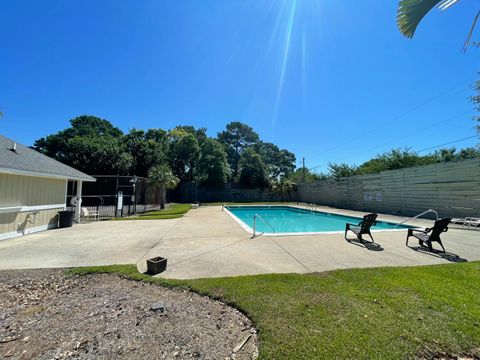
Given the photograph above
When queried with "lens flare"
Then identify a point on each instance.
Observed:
(286, 50)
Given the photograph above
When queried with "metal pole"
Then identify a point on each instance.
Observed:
(145, 194)
(303, 176)
(134, 199)
(134, 182)
(196, 191)
(78, 209)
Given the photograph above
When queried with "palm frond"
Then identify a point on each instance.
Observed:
(411, 12)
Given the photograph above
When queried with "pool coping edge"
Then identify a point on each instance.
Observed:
(249, 230)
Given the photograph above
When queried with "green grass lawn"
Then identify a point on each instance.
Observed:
(383, 313)
(172, 212)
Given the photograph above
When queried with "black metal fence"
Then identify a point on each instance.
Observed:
(190, 192)
(102, 196)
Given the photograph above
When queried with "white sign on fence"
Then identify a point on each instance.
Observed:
(120, 200)
(378, 197)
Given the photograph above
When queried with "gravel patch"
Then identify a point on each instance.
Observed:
(47, 315)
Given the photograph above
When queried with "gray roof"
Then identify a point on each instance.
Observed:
(26, 161)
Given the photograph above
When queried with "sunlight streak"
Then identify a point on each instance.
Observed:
(304, 64)
(286, 50)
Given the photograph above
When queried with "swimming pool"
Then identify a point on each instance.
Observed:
(295, 221)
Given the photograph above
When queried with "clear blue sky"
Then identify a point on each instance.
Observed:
(328, 80)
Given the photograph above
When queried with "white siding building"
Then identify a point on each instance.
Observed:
(33, 189)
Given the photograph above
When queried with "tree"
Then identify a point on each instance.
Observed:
(236, 138)
(411, 12)
(87, 125)
(184, 153)
(306, 175)
(90, 144)
(444, 155)
(399, 159)
(212, 166)
(394, 159)
(284, 187)
(278, 163)
(97, 155)
(469, 153)
(338, 171)
(146, 148)
(161, 176)
(252, 170)
(200, 134)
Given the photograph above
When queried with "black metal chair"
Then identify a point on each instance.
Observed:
(363, 227)
(429, 235)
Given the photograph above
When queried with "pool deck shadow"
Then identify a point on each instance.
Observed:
(439, 254)
(369, 245)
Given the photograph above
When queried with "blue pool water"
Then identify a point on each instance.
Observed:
(287, 219)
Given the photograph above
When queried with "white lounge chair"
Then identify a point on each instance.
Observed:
(471, 221)
(467, 222)
(91, 215)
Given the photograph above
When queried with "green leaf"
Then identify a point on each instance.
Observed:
(411, 12)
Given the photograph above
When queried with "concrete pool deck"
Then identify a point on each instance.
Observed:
(207, 242)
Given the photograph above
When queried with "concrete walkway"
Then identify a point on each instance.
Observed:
(207, 242)
(98, 243)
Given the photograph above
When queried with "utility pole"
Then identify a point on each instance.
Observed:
(303, 174)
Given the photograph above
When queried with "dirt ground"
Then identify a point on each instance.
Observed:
(47, 315)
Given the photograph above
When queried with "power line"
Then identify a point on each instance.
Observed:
(418, 131)
(408, 112)
(448, 143)
(407, 136)
(426, 149)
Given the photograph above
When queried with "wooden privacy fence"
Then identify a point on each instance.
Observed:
(451, 188)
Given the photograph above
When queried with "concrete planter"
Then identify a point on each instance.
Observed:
(156, 265)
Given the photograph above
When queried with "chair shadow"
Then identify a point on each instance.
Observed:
(23, 225)
(365, 244)
(439, 254)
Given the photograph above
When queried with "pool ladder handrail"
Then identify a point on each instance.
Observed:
(255, 225)
(417, 216)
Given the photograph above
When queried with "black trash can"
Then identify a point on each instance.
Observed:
(66, 218)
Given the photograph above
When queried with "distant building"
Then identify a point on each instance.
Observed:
(33, 189)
